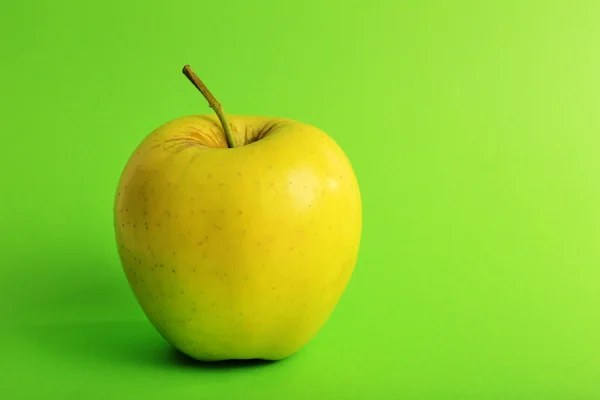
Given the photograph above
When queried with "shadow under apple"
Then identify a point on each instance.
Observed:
(80, 309)
(118, 344)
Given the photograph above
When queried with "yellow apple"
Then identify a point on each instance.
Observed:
(237, 234)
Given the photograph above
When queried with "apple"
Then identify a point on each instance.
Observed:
(237, 234)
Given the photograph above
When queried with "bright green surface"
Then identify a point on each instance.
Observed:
(474, 132)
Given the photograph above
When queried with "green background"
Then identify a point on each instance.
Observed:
(473, 128)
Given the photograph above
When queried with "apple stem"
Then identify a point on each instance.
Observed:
(212, 102)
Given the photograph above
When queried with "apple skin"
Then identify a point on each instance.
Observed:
(238, 253)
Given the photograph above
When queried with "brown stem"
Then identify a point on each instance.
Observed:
(212, 102)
